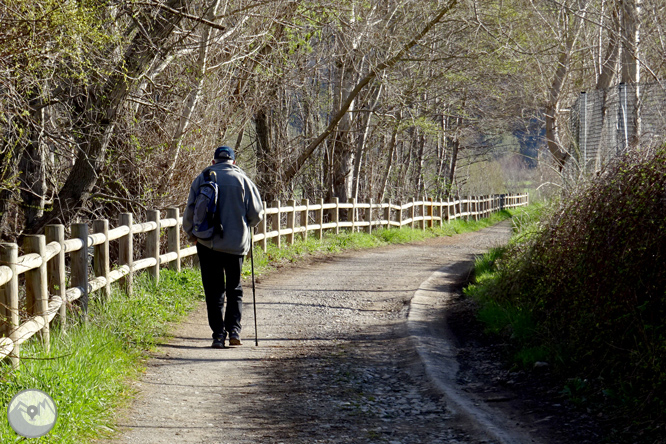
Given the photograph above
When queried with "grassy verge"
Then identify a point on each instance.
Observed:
(505, 317)
(89, 365)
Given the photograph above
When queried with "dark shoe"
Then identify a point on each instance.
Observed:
(218, 343)
(235, 340)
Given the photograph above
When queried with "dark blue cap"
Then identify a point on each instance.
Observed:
(223, 153)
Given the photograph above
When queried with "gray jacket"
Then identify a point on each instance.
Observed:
(240, 207)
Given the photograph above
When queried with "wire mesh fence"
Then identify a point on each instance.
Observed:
(605, 123)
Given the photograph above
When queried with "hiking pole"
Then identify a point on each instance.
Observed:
(254, 294)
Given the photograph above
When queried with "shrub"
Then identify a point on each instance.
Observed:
(593, 279)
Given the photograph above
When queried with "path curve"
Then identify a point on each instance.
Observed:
(436, 346)
(336, 360)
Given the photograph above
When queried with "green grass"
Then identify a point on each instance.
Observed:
(503, 316)
(90, 365)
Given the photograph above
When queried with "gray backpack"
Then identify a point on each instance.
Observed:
(206, 220)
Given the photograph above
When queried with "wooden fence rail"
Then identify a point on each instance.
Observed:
(43, 263)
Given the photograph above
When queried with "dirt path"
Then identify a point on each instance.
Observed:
(335, 363)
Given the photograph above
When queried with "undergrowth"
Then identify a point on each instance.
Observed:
(89, 365)
(585, 289)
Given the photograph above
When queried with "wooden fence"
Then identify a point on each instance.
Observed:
(46, 293)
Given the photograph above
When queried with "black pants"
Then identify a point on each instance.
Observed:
(215, 267)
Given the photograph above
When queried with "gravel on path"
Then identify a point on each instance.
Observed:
(335, 361)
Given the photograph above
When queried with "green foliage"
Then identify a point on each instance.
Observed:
(591, 280)
(72, 30)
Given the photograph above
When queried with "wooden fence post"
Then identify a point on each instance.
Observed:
(387, 213)
(36, 285)
(430, 213)
(423, 205)
(291, 221)
(319, 218)
(173, 238)
(336, 214)
(368, 216)
(153, 245)
(352, 218)
(126, 252)
(412, 212)
(8, 258)
(79, 265)
(101, 255)
(262, 228)
(56, 269)
(399, 214)
(276, 223)
(305, 218)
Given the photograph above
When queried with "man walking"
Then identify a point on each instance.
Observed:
(239, 209)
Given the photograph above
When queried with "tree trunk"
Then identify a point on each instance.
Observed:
(389, 163)
(630, 37)
(455, 147)
(559, 153)
(441, 155)
(609, 65)
(10, 155)
(366, 119)
(98, 114)
(420, 183)
(631, 72)
(343, 155)
(33, 172)
(403, 173)
(267, 163)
